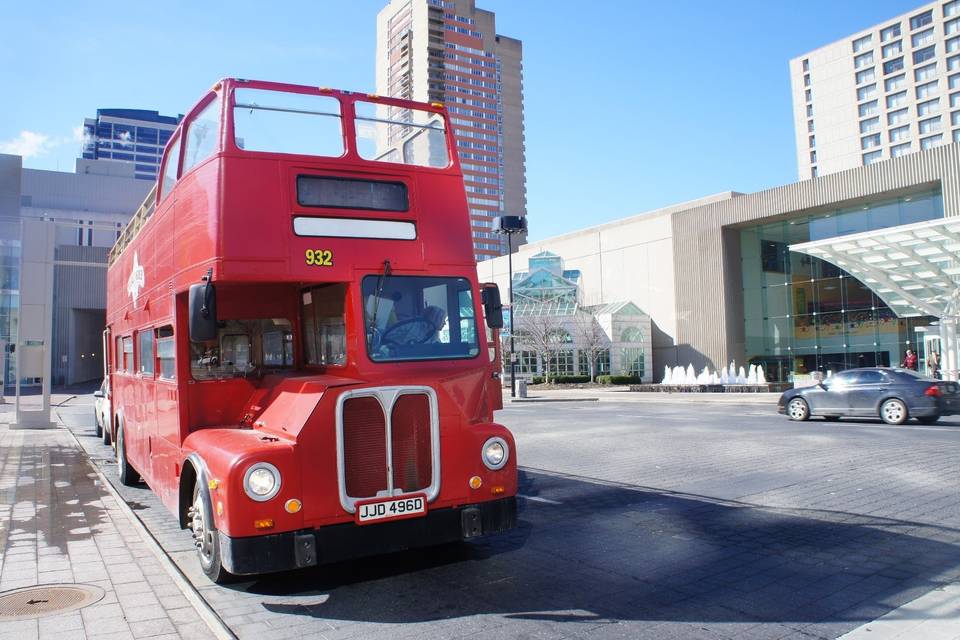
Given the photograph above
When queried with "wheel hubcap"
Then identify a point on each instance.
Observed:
(796, 409)
(202, 537)
(893, 411)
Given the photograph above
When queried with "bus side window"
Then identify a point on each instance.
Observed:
(165, 353)
(118, 354)
(145, 338)
(128, 354)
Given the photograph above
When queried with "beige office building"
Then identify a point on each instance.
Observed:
(880, 93)
(449, 51)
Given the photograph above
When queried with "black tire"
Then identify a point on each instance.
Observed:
(106, 436)
(128, 475)
(206, 539)
(928, 419)
(894, 411)
(96, 421)
(798, 409)
(831, 418)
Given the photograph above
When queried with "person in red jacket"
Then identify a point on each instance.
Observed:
(909, 360)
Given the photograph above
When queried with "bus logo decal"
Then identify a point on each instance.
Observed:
(136, 280)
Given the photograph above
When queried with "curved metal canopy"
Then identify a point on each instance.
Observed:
(914, 269)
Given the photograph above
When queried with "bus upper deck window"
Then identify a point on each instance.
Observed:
(396, 134)
(202, 135)
(284, 122)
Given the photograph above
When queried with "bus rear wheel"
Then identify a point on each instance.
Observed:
(205, 539)
(128, 475)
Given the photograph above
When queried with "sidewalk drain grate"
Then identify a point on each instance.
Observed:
(45, 600)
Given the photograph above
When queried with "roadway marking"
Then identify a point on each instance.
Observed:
(538, 499)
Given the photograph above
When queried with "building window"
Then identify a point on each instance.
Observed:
(951, 27)
(898, 116)
(922, 55)
(922, 39)
(863, 60)
(953, 82)
(867, 75)
(889, 33)
(813, 141)
(955, 119)
(145, 354)
(806, 65)
(861, 44)
(813, 156)
(893, 65)
(895, 83)
(527, 362)
(813, 172)
(873, 156)
(892, 49)
(928, 108)
(773, 256)
(921, 20)
(953, 63)
(870, 125)
(631, 362)
(868, 108)
(869, 142)
(808, 95)
(900, 133)
(562, 363)
(953, 45)
(866, 92)
(923, 74)
(809, 110)
(956, 135)
(927, 90)
(931, 142)
(809, 126)
(954, 100)
(931, 125)
(896, 100)
(806, 80)
(900, 149)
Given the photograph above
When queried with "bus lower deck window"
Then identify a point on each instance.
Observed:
(243, 347)
(324, 331)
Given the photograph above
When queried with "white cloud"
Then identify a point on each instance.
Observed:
(28, 144)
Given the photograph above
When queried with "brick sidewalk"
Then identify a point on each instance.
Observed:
(58, 524)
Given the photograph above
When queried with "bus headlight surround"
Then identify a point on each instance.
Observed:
(261, 481)
(495, 453)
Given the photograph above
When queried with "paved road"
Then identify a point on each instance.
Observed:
(643, 521)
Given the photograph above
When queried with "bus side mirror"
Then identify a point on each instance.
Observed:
(202, 309)
(492, 307)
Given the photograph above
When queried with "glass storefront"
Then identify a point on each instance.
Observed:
(803, 314)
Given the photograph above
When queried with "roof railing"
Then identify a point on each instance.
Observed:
(133, 227)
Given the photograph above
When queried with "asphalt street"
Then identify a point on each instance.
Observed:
(641, 520)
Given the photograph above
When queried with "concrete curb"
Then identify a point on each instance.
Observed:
(522, 400)
(210, 617)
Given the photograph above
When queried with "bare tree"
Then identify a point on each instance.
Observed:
(590, 339)
(541, 334)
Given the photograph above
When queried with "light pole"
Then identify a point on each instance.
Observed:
(510, 225)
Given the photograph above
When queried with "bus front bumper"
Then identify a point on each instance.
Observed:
(334, 543)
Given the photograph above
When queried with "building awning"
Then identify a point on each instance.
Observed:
(914, 269)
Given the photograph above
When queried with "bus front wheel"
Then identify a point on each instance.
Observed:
(205, 538)
(128, 475)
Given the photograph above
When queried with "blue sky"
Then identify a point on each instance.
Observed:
(629, 105)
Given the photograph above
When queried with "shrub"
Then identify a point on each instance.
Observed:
(618, 379)
(536, 380)
(569, 379)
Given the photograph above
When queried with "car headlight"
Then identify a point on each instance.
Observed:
(495, 453)
(261, 481)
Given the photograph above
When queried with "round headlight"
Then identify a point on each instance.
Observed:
(495, 453)
(261, 481)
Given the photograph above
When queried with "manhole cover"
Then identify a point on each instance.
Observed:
(49, 599)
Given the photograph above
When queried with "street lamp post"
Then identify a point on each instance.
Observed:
(510, 225)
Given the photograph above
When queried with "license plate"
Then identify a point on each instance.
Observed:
(393, 509)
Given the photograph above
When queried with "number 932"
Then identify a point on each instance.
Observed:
(319, 257)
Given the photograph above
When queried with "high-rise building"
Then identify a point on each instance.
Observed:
(889, 90)
(133, 136)
(448, 51)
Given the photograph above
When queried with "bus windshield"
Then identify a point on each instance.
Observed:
(418, 318)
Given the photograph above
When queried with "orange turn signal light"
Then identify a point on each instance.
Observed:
(293, 505)
(266, 523)
(497, 490)
(476, 482)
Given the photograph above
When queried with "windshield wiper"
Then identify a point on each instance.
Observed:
(376, 296)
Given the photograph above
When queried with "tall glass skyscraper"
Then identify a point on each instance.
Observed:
(135, 136)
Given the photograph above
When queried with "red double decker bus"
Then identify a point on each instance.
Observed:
(302, 364)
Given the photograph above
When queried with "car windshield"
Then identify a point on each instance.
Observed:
(419, 318)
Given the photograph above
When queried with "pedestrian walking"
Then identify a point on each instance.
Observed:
(909, 360)
(933, 365)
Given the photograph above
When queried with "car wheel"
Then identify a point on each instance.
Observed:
(798, 409)
(894, 411)
(205, 539)
(96, 421)
(928, 419)
(128, 475)
(105, 436)
(831, 418)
